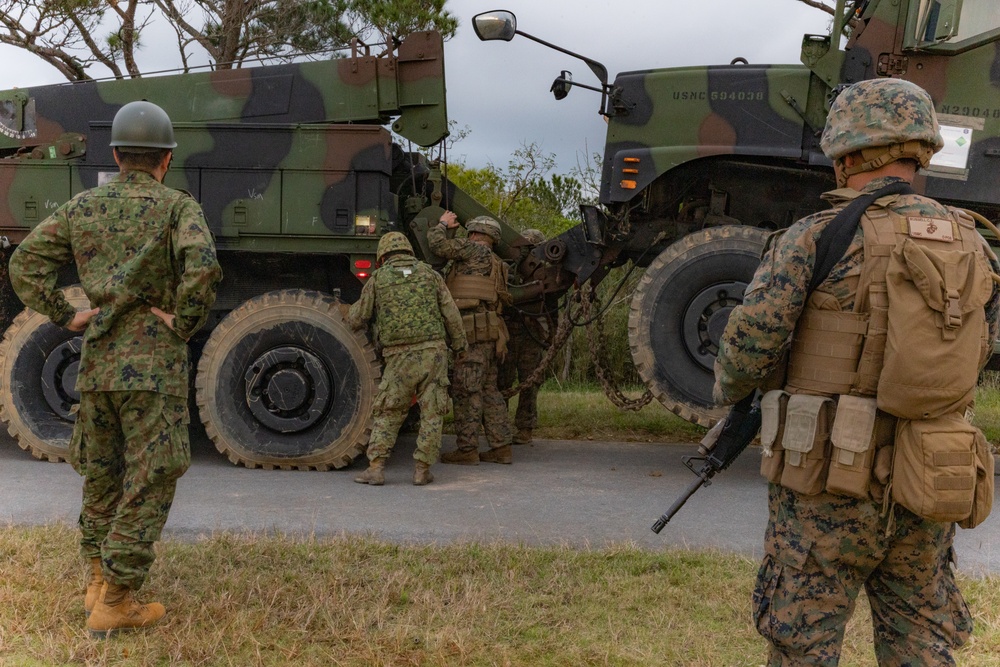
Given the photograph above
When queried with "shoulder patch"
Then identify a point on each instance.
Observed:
(931, 229)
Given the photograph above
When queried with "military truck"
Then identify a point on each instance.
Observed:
(700, 163)
(299, 176)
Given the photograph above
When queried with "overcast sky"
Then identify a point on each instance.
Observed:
(500, 90)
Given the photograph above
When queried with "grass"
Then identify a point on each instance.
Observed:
(262, 600)
(267, 600)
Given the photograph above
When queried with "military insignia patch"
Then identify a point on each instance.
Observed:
(933, 229)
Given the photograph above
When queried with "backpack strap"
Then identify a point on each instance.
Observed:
(834, 240)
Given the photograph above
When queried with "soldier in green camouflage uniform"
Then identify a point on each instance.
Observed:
(147, 262)
(530, 329)
(821, 550)
(413, 312)
(477, 399)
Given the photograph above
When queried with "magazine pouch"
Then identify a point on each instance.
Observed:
(806, 441)
(853, 446)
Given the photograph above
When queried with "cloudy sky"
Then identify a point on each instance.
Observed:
(500, 90)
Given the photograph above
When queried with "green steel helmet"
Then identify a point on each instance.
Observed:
(392, 242)
(534, 235)
(142, 125)
(893, 115)
(484, 224)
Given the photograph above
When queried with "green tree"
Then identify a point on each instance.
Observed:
(76, 35)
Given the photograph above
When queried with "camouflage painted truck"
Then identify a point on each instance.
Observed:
(299, 176)
(701, 162)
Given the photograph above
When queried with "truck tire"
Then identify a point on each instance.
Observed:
(38, 366)
(680, 309)
(283, 383)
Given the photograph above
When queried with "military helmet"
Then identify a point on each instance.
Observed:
(534, 235)
(141, 127)
(392, 242)
(884, 119)
(484, 224)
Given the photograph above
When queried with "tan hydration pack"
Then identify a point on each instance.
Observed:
(897, 376)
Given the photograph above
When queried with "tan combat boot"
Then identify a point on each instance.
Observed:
(501, 454)
(523, 436)
(93, 586)
(117, 611)
(422, 474)
(462, 457)
(375, 475)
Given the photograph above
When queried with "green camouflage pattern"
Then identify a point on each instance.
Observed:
(409, 303)
(820, 551)
(529, 337)
(412, 372)
(476, 399)
(392, 242)
(131, 448)
(756, 337)
(414, 315)
(484, 224)
(880, 112)
(136, 245)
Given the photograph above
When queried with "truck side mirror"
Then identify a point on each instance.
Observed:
(562, 84)
(495, 25)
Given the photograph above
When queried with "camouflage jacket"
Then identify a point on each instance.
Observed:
(467, 257)
(136, 244)
(757, 335)
(410, 305)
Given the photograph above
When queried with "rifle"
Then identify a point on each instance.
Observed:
(718, 449)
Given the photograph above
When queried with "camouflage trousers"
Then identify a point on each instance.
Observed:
(819, 552)
(524, 356)
(131, 447)
(477, 399)
(421, 372)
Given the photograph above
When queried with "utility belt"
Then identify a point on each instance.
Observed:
(940, 469)
(484, 327)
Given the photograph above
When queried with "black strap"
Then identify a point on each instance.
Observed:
(834, 240)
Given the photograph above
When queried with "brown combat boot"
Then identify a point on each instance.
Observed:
(501, 454)
(462, 457)
(375, 475)
(117, 611)
(523, 436)
(422, 474)
(93, 586)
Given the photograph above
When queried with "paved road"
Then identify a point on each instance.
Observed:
(556, 492)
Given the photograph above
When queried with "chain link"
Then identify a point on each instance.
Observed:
(563, 329)
(595, 339)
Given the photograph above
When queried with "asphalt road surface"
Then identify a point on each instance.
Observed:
(579, 493)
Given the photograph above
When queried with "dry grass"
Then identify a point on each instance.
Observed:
(266, 600)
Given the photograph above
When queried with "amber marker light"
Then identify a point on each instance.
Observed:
(628, 185)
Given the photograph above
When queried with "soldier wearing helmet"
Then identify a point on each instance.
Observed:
(415, 320)
(478, 282)
(530, 328)
(147, 262)
(810, 333)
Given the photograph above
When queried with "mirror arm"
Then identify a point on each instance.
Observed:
(599, 70)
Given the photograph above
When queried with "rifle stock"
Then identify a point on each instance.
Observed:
(738, 430)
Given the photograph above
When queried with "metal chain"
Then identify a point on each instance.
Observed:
(595, 338)
(559, 338)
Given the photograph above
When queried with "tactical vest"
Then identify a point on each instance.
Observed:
(875, 398)
(406, 303)
(478, 297)
(471, 291)
(837, 352)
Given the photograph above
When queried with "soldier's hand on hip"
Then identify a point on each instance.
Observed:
(81, 319)
(168, 318)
